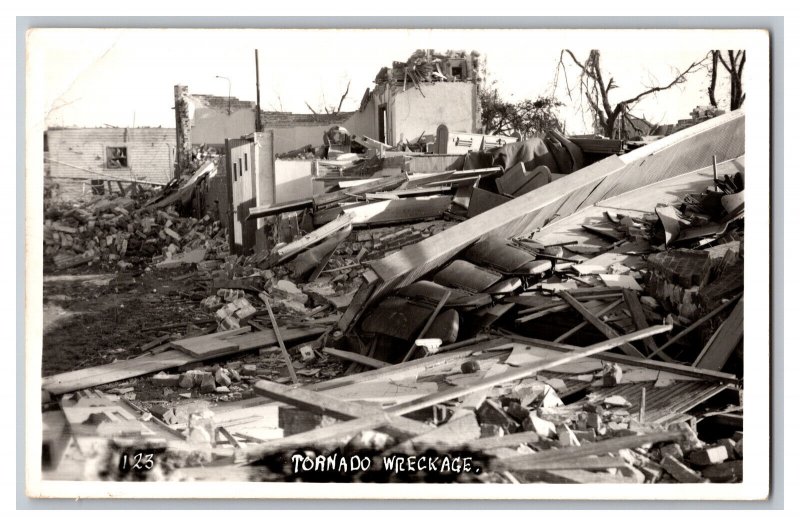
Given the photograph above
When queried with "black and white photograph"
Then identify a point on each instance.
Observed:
(397, 263)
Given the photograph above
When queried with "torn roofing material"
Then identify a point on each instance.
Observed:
(677, 154)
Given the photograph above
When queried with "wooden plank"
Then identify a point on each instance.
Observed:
(376, 185)
(603, 447)
(521, 372)
(629, 349)
(298, 245)
(686, 370)
(279, 208)
(355, 357)
(637, 315)
(388, 417)
(210, 344)
(584, 323)
(323, 404)
(388, 212)
(124, 369)
(277, 331)
(719, 351)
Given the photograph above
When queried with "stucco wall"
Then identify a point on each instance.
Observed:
(450, 103)
(210, 126)
(292, 180)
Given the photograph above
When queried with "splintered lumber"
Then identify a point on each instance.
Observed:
(421, 179)
(323, 404)
(697, 324)
(298, 245)
(599, 324)
(210, 345)
(584, 323)
(685, 370)
(355, 357)
(513, 440)
(390, 414)
(279, 208)
(680, 153)
(522, 372)
(376, 185)
(603, 447)
(408, 209)
(284, 352)
(149, 363)
(414, 367)
(716, 354)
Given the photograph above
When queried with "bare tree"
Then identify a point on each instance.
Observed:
(595, 90)
(735, 67)
(330, 110)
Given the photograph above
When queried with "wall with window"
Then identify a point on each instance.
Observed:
(143, 154)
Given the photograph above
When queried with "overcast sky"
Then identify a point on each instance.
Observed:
(97, 77)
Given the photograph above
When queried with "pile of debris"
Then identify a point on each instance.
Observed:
(601, 345)
(115, 233)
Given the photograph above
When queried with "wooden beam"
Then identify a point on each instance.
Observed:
(323, 404)
(284, 352)
(600, 325)
(602, 447)
(717, 353)
(298, 245)
(584, 323)
(685, 370)
(355, 357)
(637, 315)
(377, 185)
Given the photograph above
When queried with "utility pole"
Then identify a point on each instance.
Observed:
(258, 98)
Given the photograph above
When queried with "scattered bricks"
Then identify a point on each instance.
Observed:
(171, 233)
(566, 437)
(690, 441)
(490, 412)
(516, 411)
(680, 471)
(248, 369)
(612, 375)
(470, 366)
(189, 379)
(730, 471)
(166, 380)
(708, 456)
(222, 389)
(543, 428)
(491, 430)
(222, 378)
(671, 449)
(208, 385)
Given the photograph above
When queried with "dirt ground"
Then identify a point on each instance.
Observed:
(90, 318)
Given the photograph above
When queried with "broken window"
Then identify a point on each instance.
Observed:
(457, 73)
(116, 157)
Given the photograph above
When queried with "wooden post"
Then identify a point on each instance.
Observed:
(258, 98)
(285, 353)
